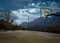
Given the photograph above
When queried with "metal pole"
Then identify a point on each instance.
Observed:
(28, 22)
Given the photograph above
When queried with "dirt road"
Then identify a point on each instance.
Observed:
(28, 37)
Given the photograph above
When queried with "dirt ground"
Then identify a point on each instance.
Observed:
(25, 36)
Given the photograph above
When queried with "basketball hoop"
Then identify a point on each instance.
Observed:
(45, 12)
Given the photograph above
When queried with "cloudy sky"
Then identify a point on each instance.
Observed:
(28, 8)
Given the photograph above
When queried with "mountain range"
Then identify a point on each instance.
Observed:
(41, 22)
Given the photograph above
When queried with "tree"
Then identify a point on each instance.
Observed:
(9, 16)
(8, 19)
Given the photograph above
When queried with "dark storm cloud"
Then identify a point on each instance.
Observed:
(13, 4)
(16, 4)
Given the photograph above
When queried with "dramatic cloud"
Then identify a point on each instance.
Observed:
(28, 8)
(32, 10)
(23, 14)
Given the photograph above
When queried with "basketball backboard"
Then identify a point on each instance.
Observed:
(45, 11)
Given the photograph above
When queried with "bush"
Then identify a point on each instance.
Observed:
(53, 29)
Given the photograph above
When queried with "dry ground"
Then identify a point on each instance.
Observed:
(28, 37)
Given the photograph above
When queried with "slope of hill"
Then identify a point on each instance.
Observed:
(41, 22)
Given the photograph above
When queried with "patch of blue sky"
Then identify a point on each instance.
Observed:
(24, 8)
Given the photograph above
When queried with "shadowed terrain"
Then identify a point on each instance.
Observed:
(28, 37)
